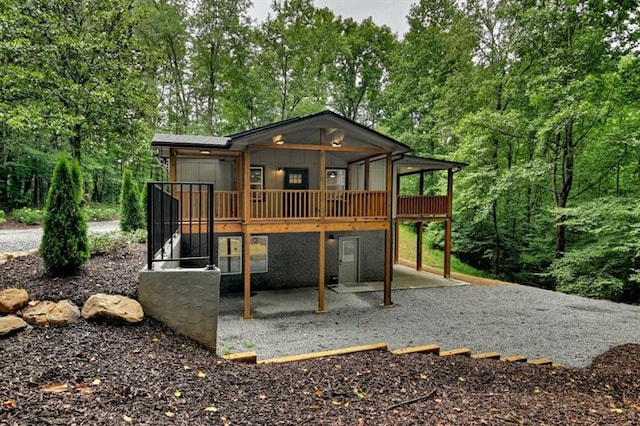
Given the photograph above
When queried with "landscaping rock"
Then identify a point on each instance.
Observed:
(12, 299)
(47, 312)
(10, 324)
(113, 307)
(38, 312)
(64, 313)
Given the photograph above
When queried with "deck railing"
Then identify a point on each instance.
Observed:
(277, 204)
(307, 204)
(422, 205)
(176, 211)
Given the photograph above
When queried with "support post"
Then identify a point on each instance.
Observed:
(447, 226)
(419, 246)
(247, 273)
(246, 207)
(321, 273)
(396, 245)
(387, 234)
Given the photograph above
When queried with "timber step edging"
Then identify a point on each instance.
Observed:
(251, 357)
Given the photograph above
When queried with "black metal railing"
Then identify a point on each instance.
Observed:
(177, 211)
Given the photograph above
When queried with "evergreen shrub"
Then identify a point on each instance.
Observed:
(65, 244)
(131, 217)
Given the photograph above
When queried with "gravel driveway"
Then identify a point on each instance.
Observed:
(26, 239)
(511, 319)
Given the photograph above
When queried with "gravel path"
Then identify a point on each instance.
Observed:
(509, 319)
(12, 240)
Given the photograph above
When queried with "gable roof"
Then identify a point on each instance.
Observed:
(324, 119)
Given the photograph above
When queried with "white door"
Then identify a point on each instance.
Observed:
(348, 262)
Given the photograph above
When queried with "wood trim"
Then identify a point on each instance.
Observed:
(298, 226)
(246, 182)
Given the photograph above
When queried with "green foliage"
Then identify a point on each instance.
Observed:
(131, 217)
(2, 217)
(605, 262)
(65, 246)
(100, 212)
(28, 216)
(108, 242)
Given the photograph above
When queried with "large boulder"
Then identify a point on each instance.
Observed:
(112, 307)
(46, 312)
(12, 299)
(10, 324)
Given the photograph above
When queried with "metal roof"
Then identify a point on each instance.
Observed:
(166, 139)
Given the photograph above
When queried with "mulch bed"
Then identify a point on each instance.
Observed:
(105, 374)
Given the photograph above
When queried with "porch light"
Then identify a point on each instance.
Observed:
(332, 174)
(331, 237)
(279, 169)
(278, 140)
(336, 137)
(205, 152)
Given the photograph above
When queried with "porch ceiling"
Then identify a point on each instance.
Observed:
(410, 164)
(307, 131)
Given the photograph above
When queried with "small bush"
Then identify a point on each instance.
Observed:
(106, 242)
(131, 217)
(2, 217)
(28, 216)
(65, 245)
(97, 212)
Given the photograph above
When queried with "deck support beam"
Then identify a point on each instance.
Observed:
(419, 232)
(246, 182)
(387, 236)
(321, 272)
(447, 226)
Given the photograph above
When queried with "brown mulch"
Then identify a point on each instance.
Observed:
(105, 374)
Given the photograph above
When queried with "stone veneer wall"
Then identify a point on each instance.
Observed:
(184, 299)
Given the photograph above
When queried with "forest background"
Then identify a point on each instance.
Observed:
(540, 97)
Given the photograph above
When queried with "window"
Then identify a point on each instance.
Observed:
(295, 178)
(230, 255)
(256, 181)
(259, 251)
(335, 179)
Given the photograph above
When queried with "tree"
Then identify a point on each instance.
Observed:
(131, 217)
(74, 78)
(358, 73)
(65, 245)
(296, 49)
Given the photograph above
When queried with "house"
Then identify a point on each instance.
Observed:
(308, 201)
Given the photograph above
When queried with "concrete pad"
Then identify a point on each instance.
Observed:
(404, 278)
(278, 302)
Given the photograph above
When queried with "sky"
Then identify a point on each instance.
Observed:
(392, 13)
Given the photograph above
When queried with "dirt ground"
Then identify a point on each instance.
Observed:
(106, 374)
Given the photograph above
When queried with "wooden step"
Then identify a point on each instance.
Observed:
(457, 351)
(248, 357)
(486, 355)
(312, 355)
(514, 358)
(425, 349)
(540, 361)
